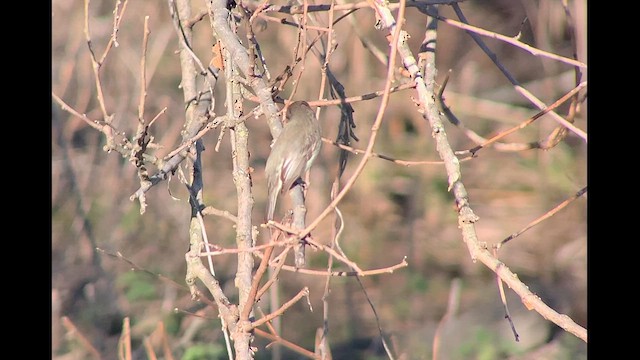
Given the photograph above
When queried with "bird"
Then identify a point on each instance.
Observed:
(293, 152)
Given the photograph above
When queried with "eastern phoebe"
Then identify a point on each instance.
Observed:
(293, 152)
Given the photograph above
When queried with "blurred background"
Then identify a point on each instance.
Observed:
(392, 212)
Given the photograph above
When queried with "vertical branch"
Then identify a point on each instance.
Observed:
(329, 50)
(141, 139)
(193, 120)
(143, 75)
(187, 65)
(323, 348)
(95, 65)
(242, 180)
(219, 15)
(124, 343)
(117, 18)
(188, 86)
(300, 45)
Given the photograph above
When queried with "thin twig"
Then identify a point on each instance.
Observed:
(210, 75)
(206, 242)
(251, 299)
(304, 292)
(210, 210)
(386, 270)
(294, 347)
(143, 73)
(118, 255)
(503, 299)
(351, 99)
(270, 326)
(368, 96)
(96, 67)
(297, 9)
(327, 249)
(117, 19)
(274, 274)
(160, 113)
(537, 221)
(528, 122)
(406, 163)
(302, 40)
(93, 123)
(141, 139)
(322, 342)
(375, 315)
(189, 142)
(328, 51)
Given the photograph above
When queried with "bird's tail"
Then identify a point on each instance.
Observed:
(271, 204)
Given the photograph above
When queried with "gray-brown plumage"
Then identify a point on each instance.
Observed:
(293, 152)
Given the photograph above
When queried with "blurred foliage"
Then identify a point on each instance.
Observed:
(485, 345)
(136, 286)
(392, 212)
(205, 352)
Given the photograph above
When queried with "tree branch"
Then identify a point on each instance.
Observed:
(466, 217)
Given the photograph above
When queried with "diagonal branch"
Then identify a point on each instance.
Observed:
(508, 39)
(425, 86)
(529, 121)
(547, 215)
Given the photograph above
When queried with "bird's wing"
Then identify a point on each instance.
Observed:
(292, 169)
